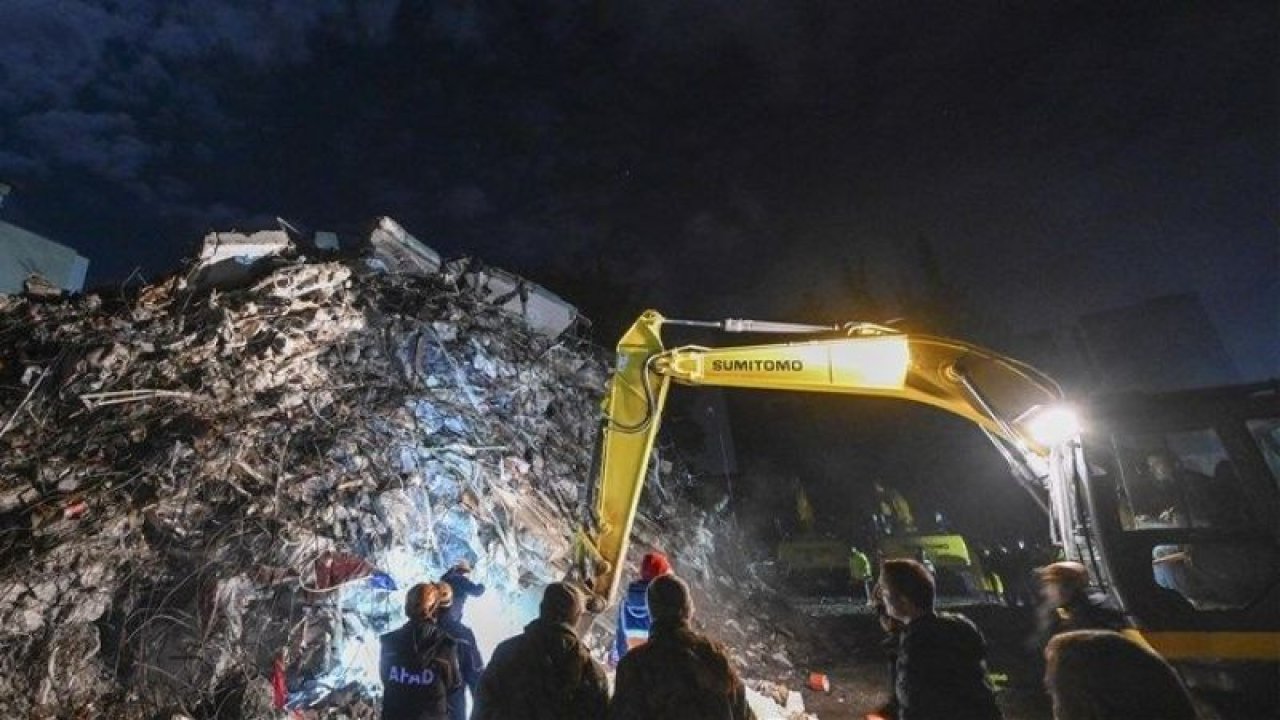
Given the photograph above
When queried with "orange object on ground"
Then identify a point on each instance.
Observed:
(818, 682)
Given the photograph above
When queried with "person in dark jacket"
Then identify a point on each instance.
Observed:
(892, 638)
(470, 661)
(633, 611)
(545, 673)
(678, 674)
(418, 663)
(1102, 675)
(1067, 603)
(941, 671)
(463, 587)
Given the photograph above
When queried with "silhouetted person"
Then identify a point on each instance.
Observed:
(459, 579)
(892, 515)
(1067, 603)
(892, 638)
(941, 671)
(418, 663)
(1019, 582)
(470, 661)
(678, 674)
(544, 673)
(633, 611)
(1102, 675)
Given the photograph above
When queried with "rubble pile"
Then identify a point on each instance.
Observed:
(213, 497)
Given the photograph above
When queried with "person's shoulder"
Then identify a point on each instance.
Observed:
(1101, 610)
(637, 653)
(639, 657)
(956, 620)
(464, 634)
(690, 643)
(946, 625)
(508, 647)
(708, 645)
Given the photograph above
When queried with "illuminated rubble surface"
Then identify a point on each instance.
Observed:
(203, 490)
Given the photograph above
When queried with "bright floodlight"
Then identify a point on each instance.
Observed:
(1052, 425)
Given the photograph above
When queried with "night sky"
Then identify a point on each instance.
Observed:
(738, 158)
(704, 157)
(980, 168)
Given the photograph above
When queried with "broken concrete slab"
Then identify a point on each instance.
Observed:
(541, 309)
(395, 250)
(227, 259)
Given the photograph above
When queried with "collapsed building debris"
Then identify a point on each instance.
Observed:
(213, 498)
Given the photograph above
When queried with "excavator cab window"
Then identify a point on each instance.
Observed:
(1209, 528)
(1181, 479)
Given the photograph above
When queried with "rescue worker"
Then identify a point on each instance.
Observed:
(418, 663)
(470, 661)
(1067, 603)
(463, 587)
(1102, 675)
(678, 674)
(860, 573)
(545, 673)
(1021, 575)
(922, 557)
(940, 672)
(633, 611)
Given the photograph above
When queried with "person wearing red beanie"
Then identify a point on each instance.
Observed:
(653, 565)
(633, 611)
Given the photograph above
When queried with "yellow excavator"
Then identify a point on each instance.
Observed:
(1080, 462)
(815, 564)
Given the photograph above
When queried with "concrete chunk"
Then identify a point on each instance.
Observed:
(228, 258)
(400, 252)
(542, 310)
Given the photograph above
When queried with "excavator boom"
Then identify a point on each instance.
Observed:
(1006, 398)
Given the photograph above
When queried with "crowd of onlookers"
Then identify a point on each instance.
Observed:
(1097, 668)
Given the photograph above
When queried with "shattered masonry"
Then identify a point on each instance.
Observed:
(204, 490)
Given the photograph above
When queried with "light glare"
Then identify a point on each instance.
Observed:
(1053, 425)
(878, 363)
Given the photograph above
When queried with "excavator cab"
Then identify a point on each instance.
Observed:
(1177, 499)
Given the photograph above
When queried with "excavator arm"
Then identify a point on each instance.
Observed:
(1012, 402)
